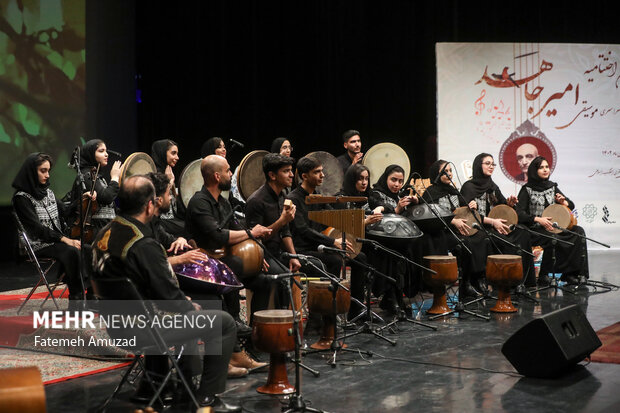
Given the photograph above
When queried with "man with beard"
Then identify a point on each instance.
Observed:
(353, 145)
(209, 222)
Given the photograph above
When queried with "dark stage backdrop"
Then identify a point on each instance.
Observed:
(256, 70)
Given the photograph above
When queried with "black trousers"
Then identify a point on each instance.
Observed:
(69, 259)
(569, 260)
(214, 367)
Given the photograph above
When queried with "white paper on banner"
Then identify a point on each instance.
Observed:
(516, 100)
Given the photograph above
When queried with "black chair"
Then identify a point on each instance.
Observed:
(107, 289)
(42, 265)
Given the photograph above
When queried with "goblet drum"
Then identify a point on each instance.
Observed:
(504, 272)
(320, 302)
(270, 333)
(447, 273)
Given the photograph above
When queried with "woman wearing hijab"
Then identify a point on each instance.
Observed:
(93, 154)
(165, 154)
(216, 146)
(356, 183)
(440, 242)
(41, 215)
(483, 194)
(385, 193)
(534, 197)
(282, 146)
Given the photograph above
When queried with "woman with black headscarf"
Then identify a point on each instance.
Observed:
(385, 193)
(482, 193)
(282, 146)
(42, 217)
(537, 194)
(216, 146)
(94, 154)
(165, 154)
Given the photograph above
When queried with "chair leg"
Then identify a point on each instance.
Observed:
(120, 385)
(51, 293)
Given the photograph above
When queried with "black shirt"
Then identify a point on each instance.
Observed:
(126, 248)
(264, 207)
(306, 233)
(203, 218)
(345, 161)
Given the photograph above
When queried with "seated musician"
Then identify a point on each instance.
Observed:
(172, 244)
(357, 183)
(266, 207)
(307, 234)
(482, 194)
(210, 222)
(537, 194)
(94, 153)
(165, 154)
(441, 242)
(126, 248)
(42, 216)
(353, 146)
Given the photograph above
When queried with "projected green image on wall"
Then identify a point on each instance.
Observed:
(42, 86)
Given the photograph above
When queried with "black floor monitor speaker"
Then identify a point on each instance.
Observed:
(550, 345)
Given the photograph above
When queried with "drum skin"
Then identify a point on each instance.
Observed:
(332, 182)
(466, 214)
(250, 175)
(138, 163)
(382, 155)
(504, 212)
(562, 215)
(190, 181)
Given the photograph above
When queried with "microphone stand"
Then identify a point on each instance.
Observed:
(459, 307)
(297, 362)
(583, 281)
(335, 345)
(82, 261)
(553, 283)
(402, 315)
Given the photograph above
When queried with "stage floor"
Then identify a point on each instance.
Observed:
(457, 368)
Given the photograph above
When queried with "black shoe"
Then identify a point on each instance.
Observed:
(145, 392)
(570, 279)
(243, 330)
(218, 405)
(481, 286)
(543, 281)
(469, 291)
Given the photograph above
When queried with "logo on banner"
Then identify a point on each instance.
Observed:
(589, 212)
(606, 216)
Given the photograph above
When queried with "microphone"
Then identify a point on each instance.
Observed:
(441, 172)
(117, 154)
(289, 256)
(556, 225)
(476, 225)
(237, 143)
(365, 241)
(74, 157)
(323, 248)
(512, 227)
(276, 277)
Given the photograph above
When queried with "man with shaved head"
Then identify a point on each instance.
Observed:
(209, 220)
(525, 155)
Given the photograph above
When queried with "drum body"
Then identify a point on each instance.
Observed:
(252, 255)
(467, 214)
(138, 163)
(210, 276)
(382, 155)
(562, 215)
(270, 330)
(320, 302)
(504, 212)
(332, 183)
(250, 175)
(504, 272)
(447, 273)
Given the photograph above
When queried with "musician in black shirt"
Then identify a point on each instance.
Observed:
(353, 145)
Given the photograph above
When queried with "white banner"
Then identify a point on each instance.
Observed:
(516, 100)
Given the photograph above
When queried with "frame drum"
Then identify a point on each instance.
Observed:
(334, 233)
(250, 176)
(138, 163)
(382, 155)
(190, 181)
(562, 215)
(466, 214)
(504, 212)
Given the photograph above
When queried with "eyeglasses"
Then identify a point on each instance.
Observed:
(489, 164)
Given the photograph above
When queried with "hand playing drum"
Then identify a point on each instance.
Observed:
(260, 231)
(115, 172)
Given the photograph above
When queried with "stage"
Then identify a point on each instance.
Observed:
(459, 367)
